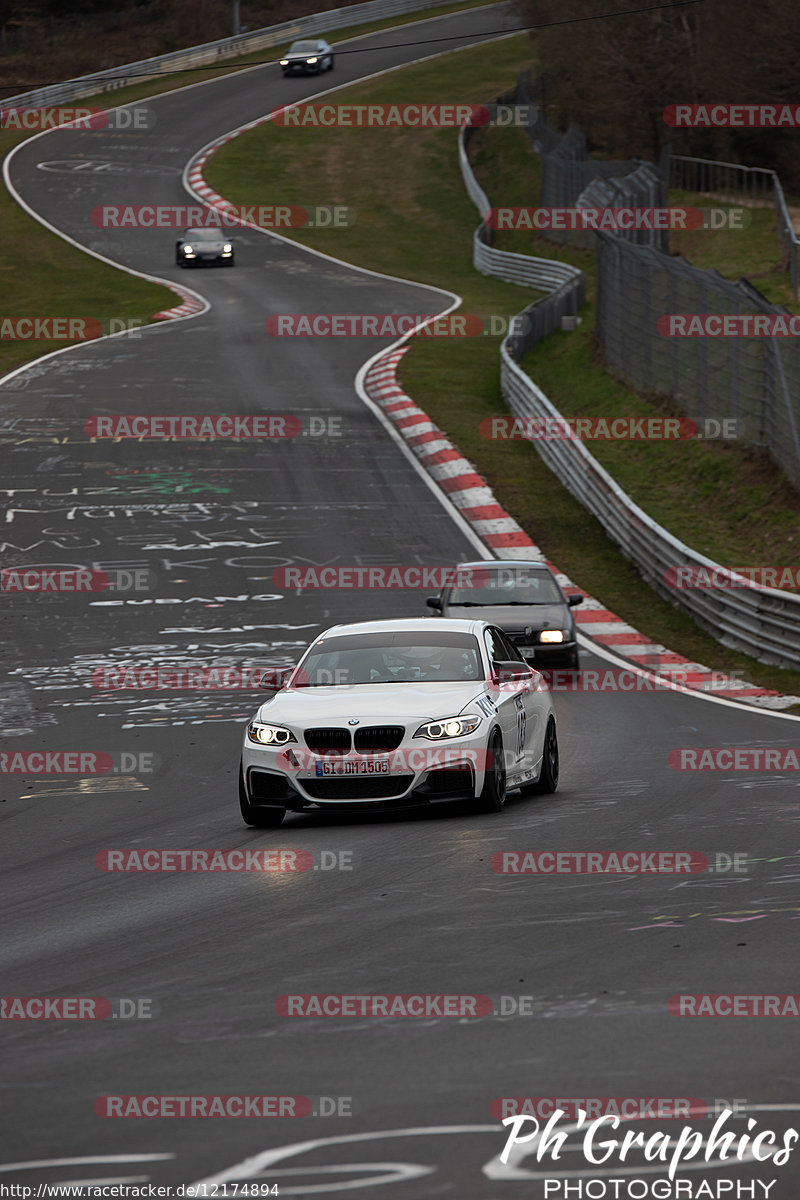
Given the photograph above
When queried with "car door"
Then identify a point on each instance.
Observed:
(529, 708)
(509, 700)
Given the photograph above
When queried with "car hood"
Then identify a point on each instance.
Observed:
(207, 247)
(370, 703)
(514, 617)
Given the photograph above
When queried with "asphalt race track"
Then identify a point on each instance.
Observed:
(419, 910)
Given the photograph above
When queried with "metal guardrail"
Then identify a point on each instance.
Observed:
(211, 52)
(737, 184)
(762, 622)
(565, 283)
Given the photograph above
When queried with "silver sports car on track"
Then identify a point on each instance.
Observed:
(204, 246)
(398, 714)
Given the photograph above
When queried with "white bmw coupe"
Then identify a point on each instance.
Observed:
(398, 714)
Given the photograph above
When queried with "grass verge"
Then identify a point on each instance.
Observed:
(418, 223)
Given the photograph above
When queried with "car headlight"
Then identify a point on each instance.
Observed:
(450, 727)
(284, 62)
(551, 636)
(311, 60)
(227, 248)
(269, 735)
(188, 250)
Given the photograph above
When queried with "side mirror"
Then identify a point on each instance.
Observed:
(434, 602)
(573, 600)
(507, 674)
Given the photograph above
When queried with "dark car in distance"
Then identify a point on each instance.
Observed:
(204, 246)
(309, 56)
(523, 599)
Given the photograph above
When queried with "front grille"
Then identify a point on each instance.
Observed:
(328, 741)
(375, 739)
(357, 789)
(520, 638)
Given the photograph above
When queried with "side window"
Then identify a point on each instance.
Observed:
(510, 651)
(494, 645)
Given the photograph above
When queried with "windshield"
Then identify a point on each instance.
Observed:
(508, 585)
(413, 657)
(203, 235)
(303, 48)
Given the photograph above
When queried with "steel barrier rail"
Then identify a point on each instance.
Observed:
(545, 274)
(763, 622)
(211, 52)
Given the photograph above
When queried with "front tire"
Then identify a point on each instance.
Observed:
(548, 778)
(330, 62)
(261, 818)
(493, 795)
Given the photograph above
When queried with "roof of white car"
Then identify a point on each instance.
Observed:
(408, 625)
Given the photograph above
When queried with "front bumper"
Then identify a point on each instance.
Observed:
(419, 776)
(193, 259)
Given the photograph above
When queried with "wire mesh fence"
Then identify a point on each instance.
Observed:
(752, 380)
(737, 184)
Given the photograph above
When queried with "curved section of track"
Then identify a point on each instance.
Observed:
(420, 910)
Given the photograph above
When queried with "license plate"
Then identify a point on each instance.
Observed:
(352, 766)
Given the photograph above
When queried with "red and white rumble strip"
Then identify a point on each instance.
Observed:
(475, 501)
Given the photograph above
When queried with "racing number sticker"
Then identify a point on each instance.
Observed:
(522, 718)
